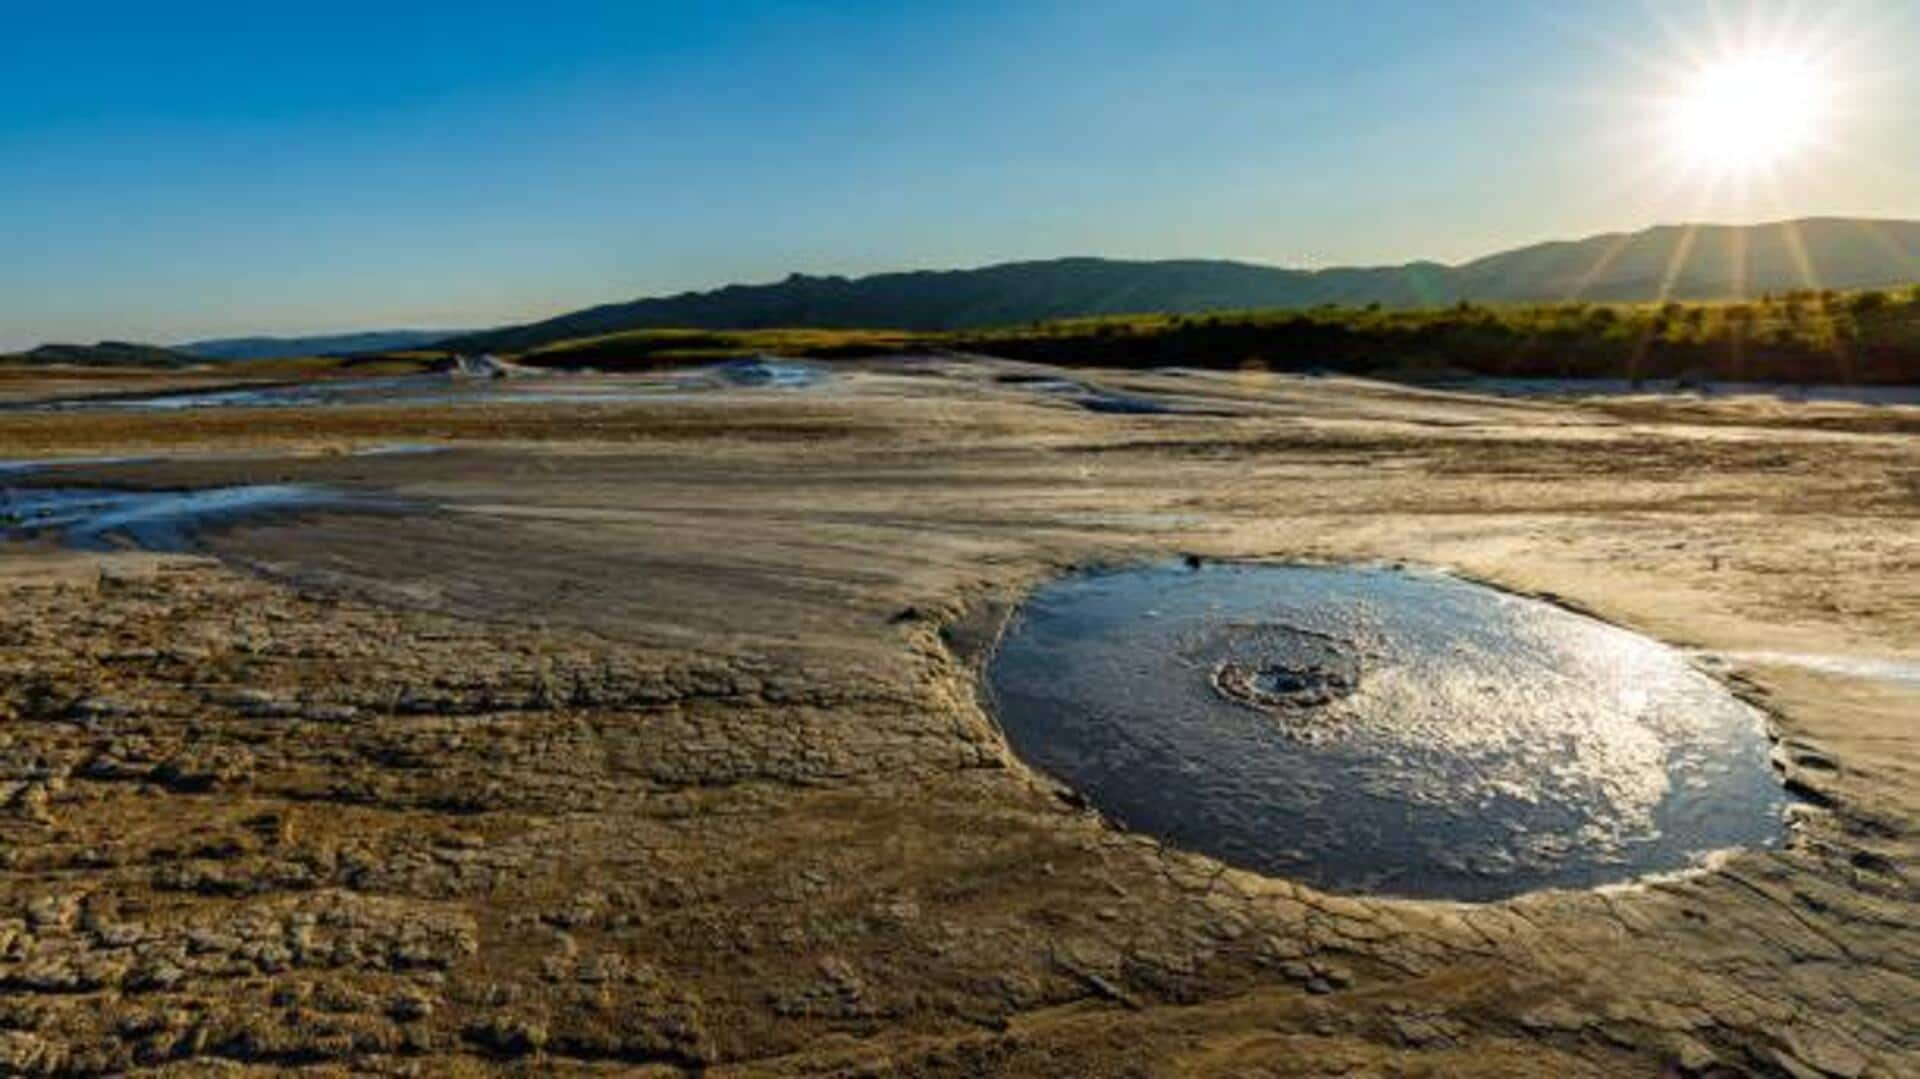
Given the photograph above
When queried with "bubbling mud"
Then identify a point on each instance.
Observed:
(1381, 731)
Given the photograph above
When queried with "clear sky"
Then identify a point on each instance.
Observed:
(170, 171)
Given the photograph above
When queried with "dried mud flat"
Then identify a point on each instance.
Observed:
(650, 743)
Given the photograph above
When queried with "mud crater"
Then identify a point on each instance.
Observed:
(1284, 671)
(1371, 730)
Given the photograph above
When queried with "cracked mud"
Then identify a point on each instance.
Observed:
(655, 748)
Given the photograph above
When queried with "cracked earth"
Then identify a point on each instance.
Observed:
(647, 740)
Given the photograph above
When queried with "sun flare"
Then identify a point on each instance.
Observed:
(1749, 112)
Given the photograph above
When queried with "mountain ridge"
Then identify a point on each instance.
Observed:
(104, 354)
(1668, 261)
(1663, 262)
(267, 347)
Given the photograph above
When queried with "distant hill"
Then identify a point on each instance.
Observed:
(342, 344)
(1669, 262)
(1704, 262)
(106, 354)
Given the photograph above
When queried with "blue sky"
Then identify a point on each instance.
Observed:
(183, 170)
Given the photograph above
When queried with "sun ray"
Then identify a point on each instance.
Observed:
(1651, 63)
(1723, 34)
(1724, 94)
(1737, 264)
(1796, 243)
(1600, 265)
(1680, 40)
(1877, 236)
(1677, 261)
(1844, 154)
(1419, 283)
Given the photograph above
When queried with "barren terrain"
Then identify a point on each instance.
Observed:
(645, 736)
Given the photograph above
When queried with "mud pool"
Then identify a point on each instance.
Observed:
(1381, 731)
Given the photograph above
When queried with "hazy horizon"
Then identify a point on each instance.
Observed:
(233, 172)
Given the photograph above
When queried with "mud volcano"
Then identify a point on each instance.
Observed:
(1372, 730)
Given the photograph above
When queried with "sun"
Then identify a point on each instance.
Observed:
(1749, 112)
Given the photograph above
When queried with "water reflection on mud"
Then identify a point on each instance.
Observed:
(1371, 730)
(103, 519)
(449, 389)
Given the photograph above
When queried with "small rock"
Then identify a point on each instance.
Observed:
(409, 1007)
(100, 707)
(25, 1054)
(53, 912)
(1828, 1053)
(33, 804)
(197, 770)
(1692, 1056)
(508, 1035)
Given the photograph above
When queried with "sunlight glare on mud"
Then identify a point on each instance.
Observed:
(1376, 730)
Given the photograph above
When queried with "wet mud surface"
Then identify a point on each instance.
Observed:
(655, 749)
(97, 519)
(1372, 730)
(1576, 388)
(1101, 399)
(447, 390)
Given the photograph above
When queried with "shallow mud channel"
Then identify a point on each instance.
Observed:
(1375, 730)
(102, 519)
(444, 389)
(39, 503)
